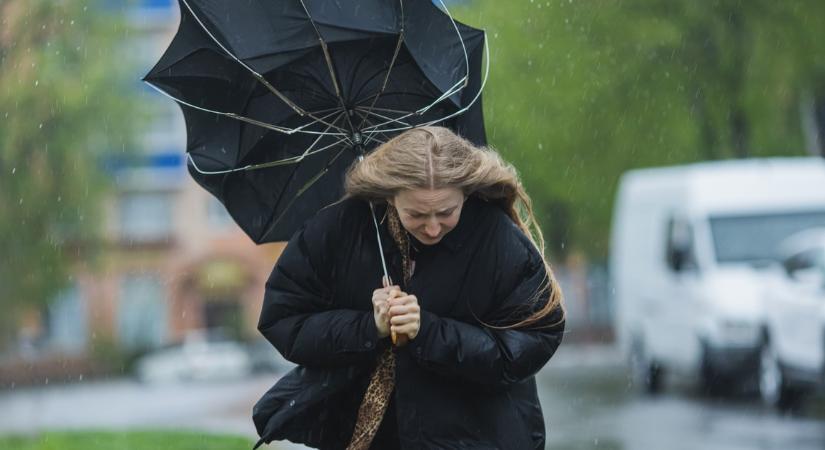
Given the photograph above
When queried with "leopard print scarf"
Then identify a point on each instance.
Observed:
(382, 382)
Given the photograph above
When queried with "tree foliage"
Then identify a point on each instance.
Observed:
(581, 91)
(65, 102)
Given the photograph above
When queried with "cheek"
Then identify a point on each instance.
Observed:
(410, 224)
(450, 223)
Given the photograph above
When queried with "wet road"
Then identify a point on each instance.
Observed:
(587, 399)
(589, 403)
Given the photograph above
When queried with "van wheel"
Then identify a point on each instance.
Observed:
(646, 373)
(712, 382)
(773, 389)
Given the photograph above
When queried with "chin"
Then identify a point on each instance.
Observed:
(429, 241)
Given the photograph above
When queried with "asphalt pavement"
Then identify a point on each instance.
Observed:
(588, 401)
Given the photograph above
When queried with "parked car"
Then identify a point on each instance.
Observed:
(265, 358)
(792, 357)
(690, 249)
(201, 356)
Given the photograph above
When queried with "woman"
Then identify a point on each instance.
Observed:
(474, 308)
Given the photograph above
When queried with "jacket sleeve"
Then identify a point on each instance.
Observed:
(489, 356)
(299, 316)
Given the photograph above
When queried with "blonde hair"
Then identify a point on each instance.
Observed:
(435, 158)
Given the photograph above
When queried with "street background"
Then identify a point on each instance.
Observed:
(117, 270)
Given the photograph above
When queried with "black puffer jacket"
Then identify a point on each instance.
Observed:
(458, 384)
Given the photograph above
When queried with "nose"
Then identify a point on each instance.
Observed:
(432, 228)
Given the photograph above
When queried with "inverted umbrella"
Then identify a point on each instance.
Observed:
(280, 96)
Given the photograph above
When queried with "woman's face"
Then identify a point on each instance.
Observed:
(429, 214)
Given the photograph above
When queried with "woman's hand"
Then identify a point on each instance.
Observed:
(381, 307)
(405, 316)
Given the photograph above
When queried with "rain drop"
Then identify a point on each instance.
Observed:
(36, 82)
(13, 169)
(80, 378)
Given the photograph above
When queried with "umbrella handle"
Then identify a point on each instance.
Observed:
(397, 340)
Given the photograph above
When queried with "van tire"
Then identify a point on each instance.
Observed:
(645, 373)
(712, 382)
(772, 386)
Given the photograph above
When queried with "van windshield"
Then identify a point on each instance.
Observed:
(751, 238)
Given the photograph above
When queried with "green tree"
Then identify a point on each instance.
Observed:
(581, 91)
(66, 101)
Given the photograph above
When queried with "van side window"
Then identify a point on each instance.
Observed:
(679, 248)
(803, 260)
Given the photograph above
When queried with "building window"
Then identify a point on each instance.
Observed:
(145, 216)
(217, 216)
(156, 4)
(66, 321)
(141, 312)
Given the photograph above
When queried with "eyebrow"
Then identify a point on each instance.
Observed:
(413, 211)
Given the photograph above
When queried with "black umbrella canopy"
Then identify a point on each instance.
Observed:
(280, 97)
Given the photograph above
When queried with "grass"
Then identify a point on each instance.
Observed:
(132, 440)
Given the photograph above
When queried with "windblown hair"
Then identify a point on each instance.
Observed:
(435, 158)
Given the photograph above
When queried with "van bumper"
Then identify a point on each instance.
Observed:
(801, 377)
(744, 362)
(733, 362)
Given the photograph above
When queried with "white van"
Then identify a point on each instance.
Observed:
(690, 249)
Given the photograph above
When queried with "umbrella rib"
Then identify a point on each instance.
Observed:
(371, 134)
(268, 126)
(380, 116)
(254, 73)
(323, 93)
(392, 62)
(328, 59)
(389, 110)
(319, 135)
(280, 162)
(301, 191)
(321, 111)
(460, 111)
(457, 87)
(307, 152)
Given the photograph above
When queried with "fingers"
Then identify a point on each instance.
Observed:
(404, 319)
(386, 293)
(403, 299)
(409, 330)
(400, 310)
